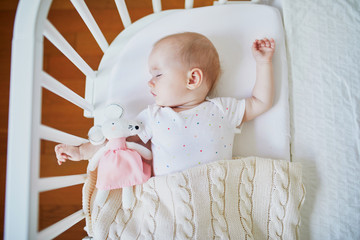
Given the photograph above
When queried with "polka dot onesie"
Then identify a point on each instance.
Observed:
(181, 140)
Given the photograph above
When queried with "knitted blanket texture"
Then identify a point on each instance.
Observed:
(245, 198)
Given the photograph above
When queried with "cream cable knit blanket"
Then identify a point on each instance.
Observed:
(248, 198)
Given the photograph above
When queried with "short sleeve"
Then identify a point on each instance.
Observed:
(232, 108)
(144, 119)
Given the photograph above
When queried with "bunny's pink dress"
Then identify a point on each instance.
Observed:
(121, 167)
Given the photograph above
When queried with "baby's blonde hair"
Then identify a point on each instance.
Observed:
(197, 51)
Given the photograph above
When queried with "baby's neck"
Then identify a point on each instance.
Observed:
(187, 106)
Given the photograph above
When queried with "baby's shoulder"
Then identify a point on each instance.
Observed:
(216, 99)
(223, 102)
(147, 113)
(153, 111)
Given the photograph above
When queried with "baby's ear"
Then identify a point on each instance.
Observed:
(113, 111)
(195, 78)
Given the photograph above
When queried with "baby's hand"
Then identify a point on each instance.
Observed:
(263, 50)
(67, 152)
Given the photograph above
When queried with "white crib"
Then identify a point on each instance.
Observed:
(25, 128)
(326, 144)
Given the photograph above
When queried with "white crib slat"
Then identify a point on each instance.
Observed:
(61, 226)
(59, 41)
(58, 88)
(54, 135)
(52, 183)
(156, 5)
(90, 22)
(124, 13)
(189, 4)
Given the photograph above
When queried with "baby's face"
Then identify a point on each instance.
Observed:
(169, 76)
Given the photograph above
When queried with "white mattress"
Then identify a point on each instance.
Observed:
(232, 29)
(323, 42)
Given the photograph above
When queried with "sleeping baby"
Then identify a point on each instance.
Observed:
(185, 126)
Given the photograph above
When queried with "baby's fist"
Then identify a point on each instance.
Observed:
(66, 152)
(263, 50)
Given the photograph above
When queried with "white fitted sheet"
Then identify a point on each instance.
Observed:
(322, 38)
(232, 29)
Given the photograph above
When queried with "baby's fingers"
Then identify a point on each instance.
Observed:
(60, 155)
(58, 151)
(61, 160)
(267, 42)
(60, 148)
(258, 44)
(255, 45)
(272, 43)
(261, 43)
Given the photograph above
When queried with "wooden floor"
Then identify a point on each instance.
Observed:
(57, 113)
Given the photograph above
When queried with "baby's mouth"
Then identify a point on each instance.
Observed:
(153, 94)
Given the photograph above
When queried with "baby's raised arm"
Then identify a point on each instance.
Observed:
(263, 92)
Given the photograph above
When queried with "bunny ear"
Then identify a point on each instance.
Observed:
(96, 136)
(113, 111)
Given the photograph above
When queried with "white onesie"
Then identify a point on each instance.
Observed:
(181, 140)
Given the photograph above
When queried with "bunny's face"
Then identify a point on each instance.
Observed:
(116, 128)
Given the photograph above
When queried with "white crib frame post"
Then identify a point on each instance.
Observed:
(21, 211)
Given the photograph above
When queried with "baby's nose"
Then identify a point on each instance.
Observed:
(151, 83)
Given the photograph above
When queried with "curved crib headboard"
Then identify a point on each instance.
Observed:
(25, 128)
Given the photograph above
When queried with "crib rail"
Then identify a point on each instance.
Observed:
(53, 135)
(124, 13)
(61, 226)
(90, 22)
(25, 129)
(156, 5)
(52, 34)
(61, 90)
(52, 183)
(189, 4)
